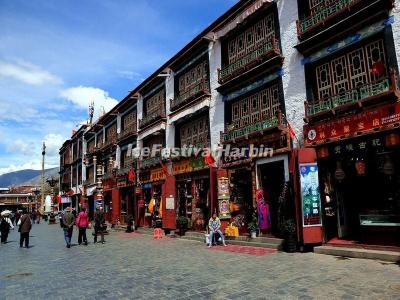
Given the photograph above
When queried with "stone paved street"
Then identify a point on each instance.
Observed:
(139, 267)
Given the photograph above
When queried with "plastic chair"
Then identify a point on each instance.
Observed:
(157, 234)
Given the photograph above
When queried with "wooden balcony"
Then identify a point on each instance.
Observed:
(109, 141)
(199, 90)
(233, 133)
(128, 131)
(151, 118)
(357, 96)
(268, 49)
(151, 161)
(323, 14)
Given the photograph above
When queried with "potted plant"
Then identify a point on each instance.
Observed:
(290, 235)
(181, 224)
(252, 226)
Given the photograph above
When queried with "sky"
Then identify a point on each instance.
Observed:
(58, 56)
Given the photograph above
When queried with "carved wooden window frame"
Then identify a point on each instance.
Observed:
(356, 66)
(256, 107)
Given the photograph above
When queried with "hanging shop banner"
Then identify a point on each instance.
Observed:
(224, 212)
(198, 163)
(348, 125)
(223, 188)
(180, 167)
(157, 174)
(310, 195)
(122, 182)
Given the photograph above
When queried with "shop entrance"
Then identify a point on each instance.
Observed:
(361, 193)
(272, 180)
(241, 202)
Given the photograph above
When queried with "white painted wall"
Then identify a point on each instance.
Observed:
(170, 127)
(216, 111)
(294, 87)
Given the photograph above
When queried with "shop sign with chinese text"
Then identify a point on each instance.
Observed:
(356, 123)
(310, 195)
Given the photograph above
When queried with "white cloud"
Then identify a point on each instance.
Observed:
(131, 75)
(82, 96)
(27, 73)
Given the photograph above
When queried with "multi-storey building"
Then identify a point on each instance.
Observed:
(352, 118)
(71, 166)
(242, 83)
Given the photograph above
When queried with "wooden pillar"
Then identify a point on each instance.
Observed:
(116, 205)
(169, 191)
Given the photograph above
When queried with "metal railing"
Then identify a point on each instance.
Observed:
(231, 134)
(323, 14)
(200, 89)
(109, 141)
(131, 129)
(146, 162)
(270, 46)
(150, 118)
(347, 97)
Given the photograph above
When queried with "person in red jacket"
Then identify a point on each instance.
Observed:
(82, 223)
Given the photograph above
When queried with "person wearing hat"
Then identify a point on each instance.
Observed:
(5, 225)
(68, 223)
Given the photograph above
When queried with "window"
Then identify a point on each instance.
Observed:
(353, 70)
(195, 132)
(251, 39)
(262, 105)
(129, 121)
(193, 77)
(155, 104)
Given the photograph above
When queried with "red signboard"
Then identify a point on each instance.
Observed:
(356, 123)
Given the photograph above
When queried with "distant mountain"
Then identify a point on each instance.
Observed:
(28, 177)
(47, 174)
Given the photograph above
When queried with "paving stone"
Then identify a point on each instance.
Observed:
(142, 268)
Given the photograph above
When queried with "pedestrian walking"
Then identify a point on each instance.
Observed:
(99, 223)
(5, 226)
(68, 223)
(82, 222)
(38, 215)
(214, 225)
(33, 213)
(25, 226)
(17, 216)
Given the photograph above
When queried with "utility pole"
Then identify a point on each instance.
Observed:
(42, 188)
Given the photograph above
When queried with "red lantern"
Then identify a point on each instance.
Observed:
(323, 152)
(378, 68)
(360, 167)
(392, 140)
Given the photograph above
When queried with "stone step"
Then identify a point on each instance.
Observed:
(390, 256)
(268, 240)
(236, 242)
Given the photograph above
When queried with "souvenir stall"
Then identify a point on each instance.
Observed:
(193, 191)
(360, 189)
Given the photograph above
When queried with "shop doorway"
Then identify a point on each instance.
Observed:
(360, 193)
(241, 202)
(272, 180)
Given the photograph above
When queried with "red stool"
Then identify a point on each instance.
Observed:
(157, 234)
